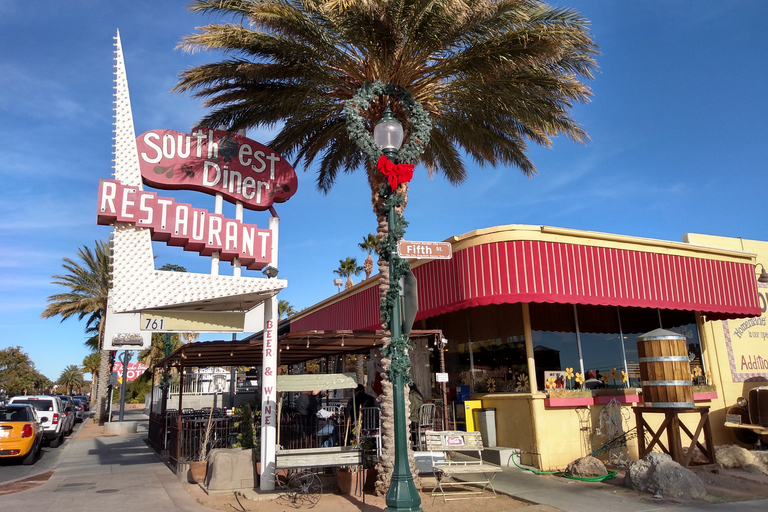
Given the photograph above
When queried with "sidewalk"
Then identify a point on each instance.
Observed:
(107, 473)
(94, 474)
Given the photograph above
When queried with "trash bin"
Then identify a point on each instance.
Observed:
(485, 422)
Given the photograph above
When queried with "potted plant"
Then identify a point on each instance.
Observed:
(617, 390)
(567, 396)
(198, 469)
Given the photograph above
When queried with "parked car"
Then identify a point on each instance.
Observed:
(69, 409)
(85, 400)
(79, 410)
(50, 410)
(21, 434)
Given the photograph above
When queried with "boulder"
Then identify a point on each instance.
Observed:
(734, 456)
(587, 467)
(659, 475)
(230, 469)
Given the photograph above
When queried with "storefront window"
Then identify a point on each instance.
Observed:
(636, 322)
(601, 347)
(500, 365)
(684, 323)
(555, 346)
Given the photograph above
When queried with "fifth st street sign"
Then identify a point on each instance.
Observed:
(424, 250)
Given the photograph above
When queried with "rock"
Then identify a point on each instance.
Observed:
(587, 467)
(659, 475)
(230, 469)
(733, 456)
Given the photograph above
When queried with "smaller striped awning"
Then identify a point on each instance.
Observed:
(655, 274)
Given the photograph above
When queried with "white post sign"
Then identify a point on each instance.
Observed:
(269, 396)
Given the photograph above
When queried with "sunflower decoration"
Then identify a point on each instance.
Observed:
(579, 379)
(569, 375)
(606, 378)
(491, 385)
(624, 377)
(522, 382)
(551, 382)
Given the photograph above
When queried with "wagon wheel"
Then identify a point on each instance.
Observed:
(306, 486)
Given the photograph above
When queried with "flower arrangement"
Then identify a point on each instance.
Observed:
(569, 392)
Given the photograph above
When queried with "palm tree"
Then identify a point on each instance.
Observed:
(88, 285)
(157, 351)
(348, 268)
(91, 364)
(369, 244)
(71, 377)
(284, 308)
(494, 75)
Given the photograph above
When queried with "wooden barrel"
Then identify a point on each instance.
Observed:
(665, 370)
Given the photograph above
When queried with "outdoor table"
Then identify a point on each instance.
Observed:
(672, 426)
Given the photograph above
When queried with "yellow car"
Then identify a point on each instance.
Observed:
(21, 435)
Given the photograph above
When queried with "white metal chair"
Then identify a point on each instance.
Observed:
(426, 422)
(370, 427)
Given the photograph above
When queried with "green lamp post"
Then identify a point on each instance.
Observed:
(402, 494)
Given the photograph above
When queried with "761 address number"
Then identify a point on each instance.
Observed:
(154, 324)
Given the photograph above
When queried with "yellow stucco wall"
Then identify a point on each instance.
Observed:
(524, 421)
(729, 386)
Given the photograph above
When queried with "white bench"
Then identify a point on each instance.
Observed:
(447, 470)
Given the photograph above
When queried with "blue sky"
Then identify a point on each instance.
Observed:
(677, 123)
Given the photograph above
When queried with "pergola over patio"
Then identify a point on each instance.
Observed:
(293, 348)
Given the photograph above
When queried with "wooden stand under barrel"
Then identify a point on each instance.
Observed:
(672, 425)
(666, 377)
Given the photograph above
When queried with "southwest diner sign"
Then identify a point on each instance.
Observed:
(179, 224)
(210, 161)
(216, 162)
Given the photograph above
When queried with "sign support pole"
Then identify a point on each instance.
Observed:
(269, 378)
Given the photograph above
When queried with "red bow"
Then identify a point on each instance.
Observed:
(395, 173)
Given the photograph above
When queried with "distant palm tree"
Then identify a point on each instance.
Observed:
(88, 286)
(348, 268)
(71, 378)
(156, 351)
(284, 308)
(91, 364)
(369, 244)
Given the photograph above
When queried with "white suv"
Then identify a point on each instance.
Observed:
(53, 419)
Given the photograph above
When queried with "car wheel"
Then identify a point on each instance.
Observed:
(55, 441)
(30, 458)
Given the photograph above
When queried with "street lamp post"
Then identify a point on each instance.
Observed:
(402, 494)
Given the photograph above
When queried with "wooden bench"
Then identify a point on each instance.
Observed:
(304, 458)
(446, 471)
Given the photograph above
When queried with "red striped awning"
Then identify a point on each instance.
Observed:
(543, 271)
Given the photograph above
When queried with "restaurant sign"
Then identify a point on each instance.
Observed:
(747, 342)
(216, 162)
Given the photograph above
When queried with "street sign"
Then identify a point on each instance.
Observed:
(424, 250)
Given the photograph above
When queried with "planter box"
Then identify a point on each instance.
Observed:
(708, 395)
(569, 402)
(622, 399)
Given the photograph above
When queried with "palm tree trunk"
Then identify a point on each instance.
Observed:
(386, 464)
(103, 380)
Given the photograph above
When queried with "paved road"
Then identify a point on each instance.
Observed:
(13, 470)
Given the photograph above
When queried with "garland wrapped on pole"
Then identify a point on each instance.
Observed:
(402, 494)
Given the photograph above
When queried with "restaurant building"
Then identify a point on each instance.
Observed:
(516, 302)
